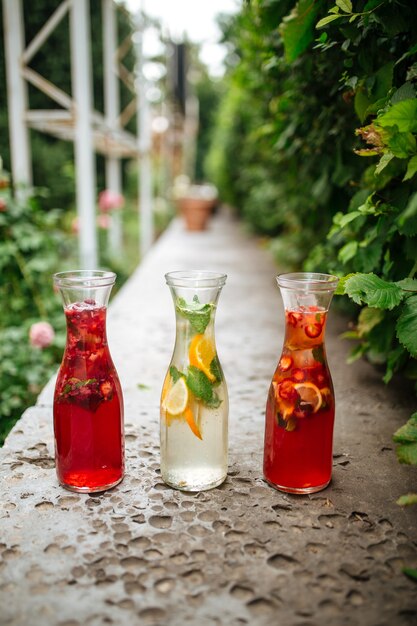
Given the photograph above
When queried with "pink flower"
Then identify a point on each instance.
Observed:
(109, 200)
(75, 226)
(41, 335)
(103, 221)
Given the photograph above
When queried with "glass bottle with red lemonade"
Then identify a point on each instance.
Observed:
(88, 401)
(300, 409)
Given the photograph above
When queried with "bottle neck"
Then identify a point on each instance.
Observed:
(195, 312)
(304, 329)
(86, 327)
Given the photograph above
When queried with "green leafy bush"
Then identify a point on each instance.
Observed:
(326, 160)
(32, 248)
(283, 149)
(376, 235)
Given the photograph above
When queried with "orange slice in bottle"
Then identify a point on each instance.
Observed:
(201, 354)
(165, 390)
(166, 387)
(189, 417)
(310, 395)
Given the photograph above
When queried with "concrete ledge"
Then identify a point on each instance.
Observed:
(240, 554)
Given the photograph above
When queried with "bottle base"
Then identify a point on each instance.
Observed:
(95, 489)
(298, 490)
(193, 483)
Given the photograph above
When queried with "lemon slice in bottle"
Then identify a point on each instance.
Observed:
(309, 394)
(176, 399)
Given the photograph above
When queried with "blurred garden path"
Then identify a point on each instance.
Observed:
(242, 553)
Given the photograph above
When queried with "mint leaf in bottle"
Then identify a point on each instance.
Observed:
(175, 373)
(215, 369)
(201, 387)
(318, 354)
(195, 312)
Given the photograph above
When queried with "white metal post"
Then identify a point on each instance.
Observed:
(146, 226)
(16, 92)
(112, 109)
(83, 142)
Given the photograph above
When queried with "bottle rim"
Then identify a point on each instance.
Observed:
(84, 278)
(195, 279)
(308, 281)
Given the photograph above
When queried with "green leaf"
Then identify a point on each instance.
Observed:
(340, 222)
(357, 353)
(348, 251)
(402, 145)
(374, 291)
(408, 432)
(201, 387)
(407, 453)
(385, 159)
(408, 284)
(215, 369)
(345, 5)
(143, 387)
(410, 572)
(349, 217)
(405, 92)
(383, 81)
(406, 500)
(395, 361)
(407, 221)
(340, 289)
(196, 313)
(75, 383)
(368, 207)
(411, 168)
(406, 327)
(368, 319)
(350, 334)
(403, 115)
(296, 29)
(327, 20)
(361, 104)
(318, 354)
(369, 255)
(175, 373)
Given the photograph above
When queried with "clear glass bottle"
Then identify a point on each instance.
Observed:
(194, 400)
(300, 409)
(88, 402)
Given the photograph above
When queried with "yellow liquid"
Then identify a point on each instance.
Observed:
(190, 463)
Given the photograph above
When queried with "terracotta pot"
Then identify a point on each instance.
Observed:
(196, 212)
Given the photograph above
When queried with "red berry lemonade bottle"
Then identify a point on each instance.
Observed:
(300, 408)
(88, 402)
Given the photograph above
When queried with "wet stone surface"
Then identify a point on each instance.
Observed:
(242, 553)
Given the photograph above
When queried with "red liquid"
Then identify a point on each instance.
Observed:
(88, 405)
(300, 409)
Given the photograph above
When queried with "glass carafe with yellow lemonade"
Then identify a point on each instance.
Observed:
(194, 400)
